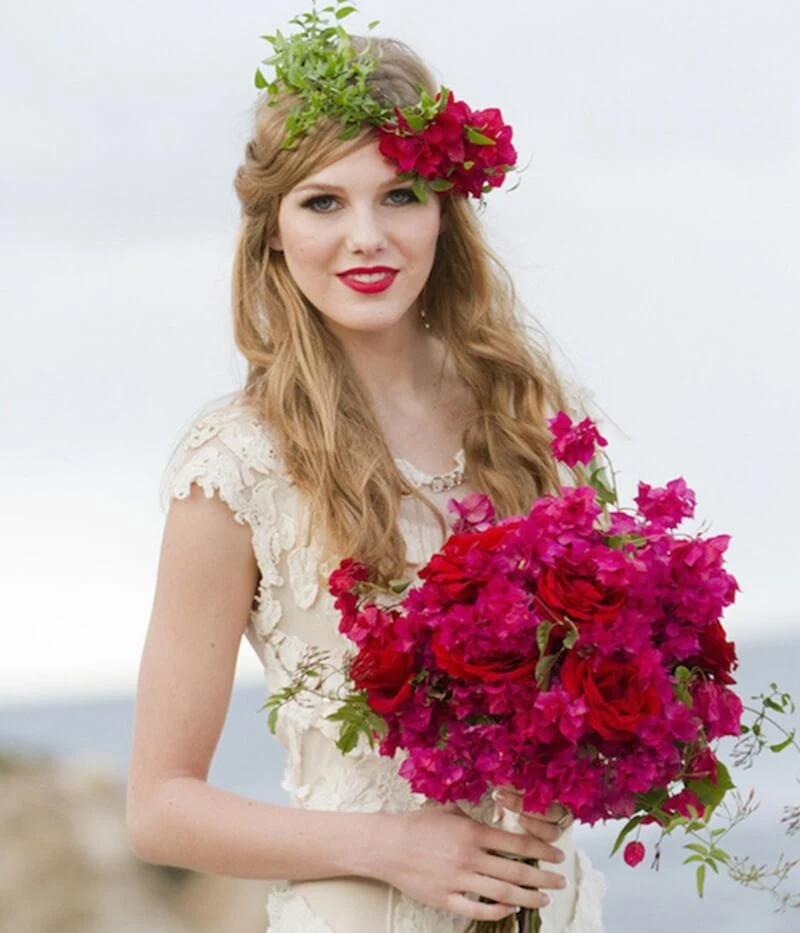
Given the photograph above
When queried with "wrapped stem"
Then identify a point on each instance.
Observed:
(527, 919)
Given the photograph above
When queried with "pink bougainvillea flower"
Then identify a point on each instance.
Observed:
(574, 443)
(667, 506)
(634, 853)
(475, 513)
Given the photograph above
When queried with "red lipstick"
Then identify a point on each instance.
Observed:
(368, 280)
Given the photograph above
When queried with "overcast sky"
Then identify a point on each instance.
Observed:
(655, 236)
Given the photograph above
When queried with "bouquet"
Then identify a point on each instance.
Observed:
(575, 653)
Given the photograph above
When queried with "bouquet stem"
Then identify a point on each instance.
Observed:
(527, 919)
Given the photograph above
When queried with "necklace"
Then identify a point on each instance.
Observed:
(440, 482)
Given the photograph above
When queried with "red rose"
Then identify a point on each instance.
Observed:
(617, 698)
(385, 673)
(346, 576)
(565, 591)
(490, 669)
(447, 569)
(717, 655)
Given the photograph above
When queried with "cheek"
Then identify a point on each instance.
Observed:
(306, 246)
(422, 235)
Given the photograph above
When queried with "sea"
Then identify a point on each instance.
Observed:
(249, 761)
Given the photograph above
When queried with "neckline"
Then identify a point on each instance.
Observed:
(437, 481)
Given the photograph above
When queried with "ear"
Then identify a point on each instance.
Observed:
(274, 242)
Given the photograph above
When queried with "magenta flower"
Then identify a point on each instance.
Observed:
(574, 443)
(475, 513)
(666, 507)
(546, 651)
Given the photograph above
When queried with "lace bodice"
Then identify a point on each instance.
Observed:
(228, 452)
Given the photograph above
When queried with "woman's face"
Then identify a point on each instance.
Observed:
(358, 243)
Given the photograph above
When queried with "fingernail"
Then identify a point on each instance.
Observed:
(545, 899)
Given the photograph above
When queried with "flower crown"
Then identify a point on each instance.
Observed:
(439, 142)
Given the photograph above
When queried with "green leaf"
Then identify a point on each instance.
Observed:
(543, 631)
(373, 24)
(474, 136)
(543, 667)
(272, 719)
(720, 855)
(420, 189)
(632, 823)
(697, 847)
(571, 638)
(261, 81)
(780, 746)
(724, 779)
(440, 184)
(347, 741)
(344, 11)
(350, 132)
(701, 879)
(415, 121)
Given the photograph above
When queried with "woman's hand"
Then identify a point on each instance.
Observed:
(438, 855)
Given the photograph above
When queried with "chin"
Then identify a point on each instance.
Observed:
(373, 320)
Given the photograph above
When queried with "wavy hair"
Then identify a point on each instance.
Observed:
(302, 385)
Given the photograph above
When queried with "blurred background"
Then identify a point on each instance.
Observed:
(654, 236)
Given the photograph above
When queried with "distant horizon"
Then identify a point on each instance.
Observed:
(248, 675)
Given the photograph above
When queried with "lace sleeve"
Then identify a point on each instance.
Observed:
(227, 451)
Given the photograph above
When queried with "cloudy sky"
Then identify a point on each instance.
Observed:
(654, 235)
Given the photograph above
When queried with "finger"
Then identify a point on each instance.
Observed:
(555, 813)
(524, 845)
(520, 873)
(474, 910)
(535, 825)
(504, 892)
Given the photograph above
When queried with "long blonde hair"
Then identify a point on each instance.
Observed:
(301, 383)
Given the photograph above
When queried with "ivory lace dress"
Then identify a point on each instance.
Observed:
(228, 453)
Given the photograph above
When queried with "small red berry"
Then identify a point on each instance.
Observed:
(633, 854)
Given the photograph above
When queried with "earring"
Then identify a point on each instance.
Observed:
(425, 320)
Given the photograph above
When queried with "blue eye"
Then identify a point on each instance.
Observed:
(405, 196)
(320, 203)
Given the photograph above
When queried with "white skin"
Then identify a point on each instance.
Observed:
(208, 576)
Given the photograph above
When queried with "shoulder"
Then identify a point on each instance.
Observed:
(226, 449)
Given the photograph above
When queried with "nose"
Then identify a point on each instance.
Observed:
(365, 233)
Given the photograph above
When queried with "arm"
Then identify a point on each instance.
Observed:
(206, 581)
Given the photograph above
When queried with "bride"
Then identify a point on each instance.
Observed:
(387, 373)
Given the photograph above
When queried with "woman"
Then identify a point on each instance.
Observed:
(387, 373)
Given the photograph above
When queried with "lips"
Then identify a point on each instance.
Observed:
(368, 280)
